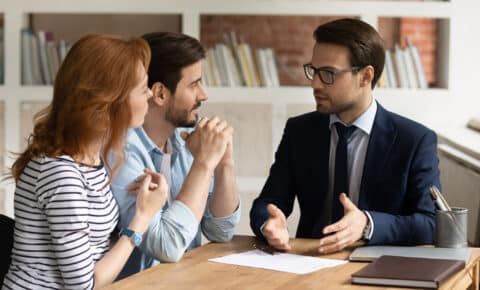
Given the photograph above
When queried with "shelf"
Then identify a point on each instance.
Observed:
(237, 94)
(258, 113)
(281, 7)
(80, 24)
(429, 37)
(46, 40)
(291, 39)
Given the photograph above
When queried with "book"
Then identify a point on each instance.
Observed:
(222, 66)
(44, 64)
(272, 66)
(62, 49)
(27, 74)
(231, 42)
(400, 68)
(52, 55)
(250, 64)
(212, 63)
(369, 253)
(206, 74)
(420, 72)
(410, 68)
(262, 67)
(35, 60)
(407, 272)
(390, 70)
(242, 55)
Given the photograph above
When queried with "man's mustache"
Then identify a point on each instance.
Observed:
(197, 106)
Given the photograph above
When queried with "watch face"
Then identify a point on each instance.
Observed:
(137, 239)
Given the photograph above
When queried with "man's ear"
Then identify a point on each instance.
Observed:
(367, 74)
(160, 93)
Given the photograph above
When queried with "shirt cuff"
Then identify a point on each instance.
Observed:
(261, 228)
(370, 233)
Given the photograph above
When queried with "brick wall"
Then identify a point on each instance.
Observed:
(422, 32)
(292, 38)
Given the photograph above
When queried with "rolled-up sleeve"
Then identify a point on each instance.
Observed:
(171, 230)
(131, 169)
(219, 229)
(170, 233)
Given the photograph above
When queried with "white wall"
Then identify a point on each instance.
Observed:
(465, 73)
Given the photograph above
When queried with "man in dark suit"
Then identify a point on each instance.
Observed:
(359, 171)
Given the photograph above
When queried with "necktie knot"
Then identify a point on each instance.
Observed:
(344, 132)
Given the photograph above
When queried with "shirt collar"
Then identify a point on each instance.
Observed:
(364, 122)
(176, 142)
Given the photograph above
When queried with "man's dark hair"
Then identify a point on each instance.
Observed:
(171, 52)
(363, 41)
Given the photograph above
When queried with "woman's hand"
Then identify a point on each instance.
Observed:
(151, 189)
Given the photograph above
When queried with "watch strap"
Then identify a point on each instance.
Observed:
(134, 236)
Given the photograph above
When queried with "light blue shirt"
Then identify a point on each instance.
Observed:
(174, 229)
(357, 150)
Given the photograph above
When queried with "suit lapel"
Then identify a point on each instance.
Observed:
(321, 154)
(382, 138)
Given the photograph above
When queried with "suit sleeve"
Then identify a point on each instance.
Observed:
(416, 224)
(279, 188)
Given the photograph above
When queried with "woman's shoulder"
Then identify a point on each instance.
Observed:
(49, 168)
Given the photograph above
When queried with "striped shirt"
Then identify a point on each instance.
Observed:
(64, 215)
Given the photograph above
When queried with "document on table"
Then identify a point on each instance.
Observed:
(279, 261)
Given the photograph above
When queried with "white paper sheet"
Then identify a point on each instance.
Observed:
(279, 261)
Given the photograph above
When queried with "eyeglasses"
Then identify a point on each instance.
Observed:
(326, 75)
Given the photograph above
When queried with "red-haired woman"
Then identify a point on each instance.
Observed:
(64, 209)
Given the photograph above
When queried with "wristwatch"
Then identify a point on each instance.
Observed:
(135, 237)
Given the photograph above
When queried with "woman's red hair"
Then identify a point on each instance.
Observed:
(90, 101)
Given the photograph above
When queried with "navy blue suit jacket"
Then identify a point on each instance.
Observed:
(400, 165)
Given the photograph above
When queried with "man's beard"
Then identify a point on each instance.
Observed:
(334, 108)
(180, 118)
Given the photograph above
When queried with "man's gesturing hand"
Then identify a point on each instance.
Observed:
(275, 229)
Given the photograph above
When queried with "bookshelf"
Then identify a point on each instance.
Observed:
(258, 114)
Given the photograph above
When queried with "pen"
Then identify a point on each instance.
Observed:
(442, 205)
(265, 248)
(434, 192)
(442, 198)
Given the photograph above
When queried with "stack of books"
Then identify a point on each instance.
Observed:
(403, 68)
(235, 63)
(41, 56)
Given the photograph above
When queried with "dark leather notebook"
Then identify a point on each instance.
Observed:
(407, 271)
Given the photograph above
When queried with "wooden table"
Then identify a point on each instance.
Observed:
(194, 271)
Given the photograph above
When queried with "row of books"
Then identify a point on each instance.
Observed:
(236, 64)
(41, 56)
(229, 64)
(403, 68)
